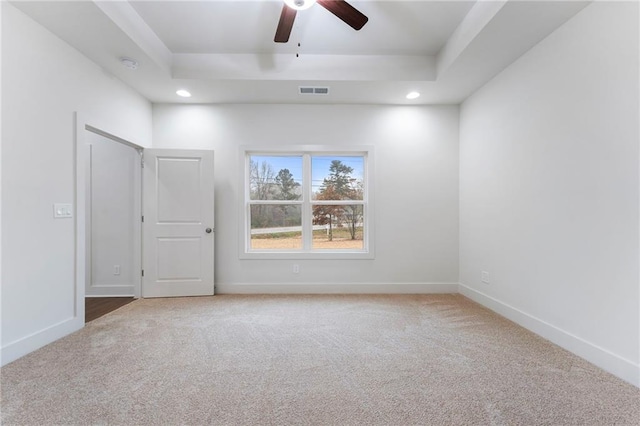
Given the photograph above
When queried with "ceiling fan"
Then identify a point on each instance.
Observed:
(343, 10)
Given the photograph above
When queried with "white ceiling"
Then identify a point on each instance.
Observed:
(223, 51)
(394, 28)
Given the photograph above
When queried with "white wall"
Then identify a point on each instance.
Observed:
(43, 82)
(416, 183)
(549, 189)
(111, 217)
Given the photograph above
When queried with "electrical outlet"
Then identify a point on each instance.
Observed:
(296, 268)
(116, 269)
(485, 277)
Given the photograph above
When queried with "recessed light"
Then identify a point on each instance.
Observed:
(132, 64)
(413, 95)
(183, 93)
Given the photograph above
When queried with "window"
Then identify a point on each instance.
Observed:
(307, 204)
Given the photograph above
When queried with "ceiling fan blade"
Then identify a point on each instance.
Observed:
(343, 10)
(287, 16)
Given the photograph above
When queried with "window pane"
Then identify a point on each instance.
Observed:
(337, 177)
(275, 177)
(276, 226)
(338, 227)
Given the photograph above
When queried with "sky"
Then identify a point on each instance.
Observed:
(319, 166)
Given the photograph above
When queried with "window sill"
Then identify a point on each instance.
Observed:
(328, 255)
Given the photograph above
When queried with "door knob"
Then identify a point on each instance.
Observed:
(208, 230)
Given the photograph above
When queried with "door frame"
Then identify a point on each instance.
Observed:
(82, 224)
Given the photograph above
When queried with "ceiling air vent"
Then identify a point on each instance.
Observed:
(314, 90)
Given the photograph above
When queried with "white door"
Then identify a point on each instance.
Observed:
(178, 223)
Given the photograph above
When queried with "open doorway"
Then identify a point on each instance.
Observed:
(95, 307)
(180, 263)
(113, 215)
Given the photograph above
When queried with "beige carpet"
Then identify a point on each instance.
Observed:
(294, 360)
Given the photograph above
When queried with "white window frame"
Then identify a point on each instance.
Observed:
(306, 151)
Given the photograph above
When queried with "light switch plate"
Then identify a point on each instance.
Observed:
(61, 210)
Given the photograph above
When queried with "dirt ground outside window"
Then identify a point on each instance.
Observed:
(296, 243)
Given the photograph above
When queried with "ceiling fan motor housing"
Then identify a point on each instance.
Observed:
(299, 4)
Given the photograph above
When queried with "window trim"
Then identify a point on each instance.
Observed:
(319, 150)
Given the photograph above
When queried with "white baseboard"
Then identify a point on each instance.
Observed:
(109, 295)
(30, 343)
(110, 291)
(341, 288)
(608, 361)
